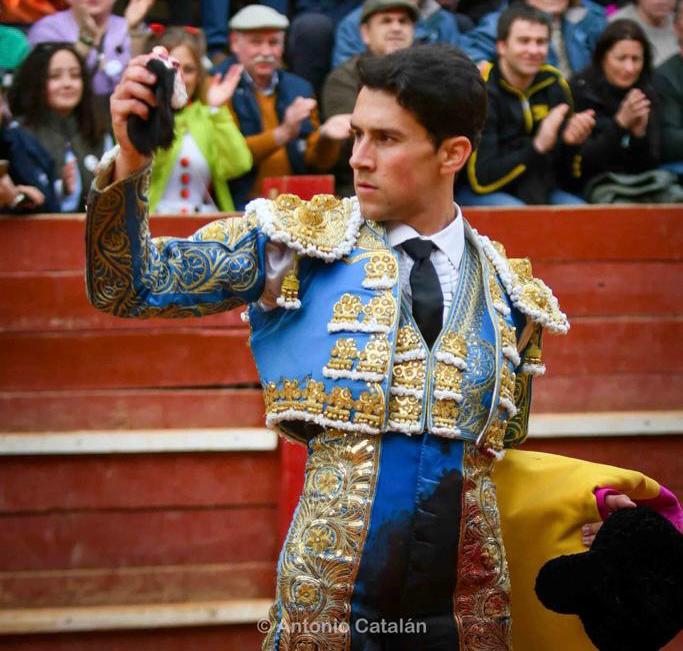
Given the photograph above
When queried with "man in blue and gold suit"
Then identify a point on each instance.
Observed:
(391, 338)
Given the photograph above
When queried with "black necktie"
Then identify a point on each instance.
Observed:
(426, 289)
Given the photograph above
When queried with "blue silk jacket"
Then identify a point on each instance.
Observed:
(341, 351)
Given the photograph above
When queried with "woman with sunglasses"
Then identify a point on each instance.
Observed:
(51, 97)
(208, 148)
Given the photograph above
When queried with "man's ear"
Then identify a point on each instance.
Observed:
(453, 154)
(364, 33)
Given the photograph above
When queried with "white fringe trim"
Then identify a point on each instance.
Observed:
(511, 353)
(514, 290)
(410, 356)
(272, 421)
(368, 376)
(452, 360)
(406, 391)
(288, 305)
(266, 219)
(107, 159)
(498, 455)
(502, 308)
(533, 369)
(441, 394)
(244, 317)
(446, 432)
(379, 283)
(405, 428)
(357, 326)
(509, 407)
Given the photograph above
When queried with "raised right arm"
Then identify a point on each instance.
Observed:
(130, 274)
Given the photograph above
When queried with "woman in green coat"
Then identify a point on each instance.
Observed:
(208, 149)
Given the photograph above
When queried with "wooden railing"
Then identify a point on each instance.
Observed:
(129, 474)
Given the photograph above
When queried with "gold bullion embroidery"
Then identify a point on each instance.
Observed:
(482, 598)
(340, 404)
(345, 313)
(369, 408)
(445, 414)
(343, 355)
(405, 411)
(381, 271)
(375, 357)
(321, 555)
(320, 224)
(381, 311)
(368, 239)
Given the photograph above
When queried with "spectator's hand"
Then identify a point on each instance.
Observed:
(221, 90)
(135, 12)
(86, 23)
(634, 112)
(298, 111)
(338, 127)
(7, 191)
(131, 96)
(613, 503)
(33, 196)
(546, 137)
(69, 172)
(578, 128)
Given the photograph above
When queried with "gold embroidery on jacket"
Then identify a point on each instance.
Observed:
(481, 603)
(322, 552)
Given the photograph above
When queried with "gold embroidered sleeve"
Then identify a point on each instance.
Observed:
(530, 366)
(130, 274)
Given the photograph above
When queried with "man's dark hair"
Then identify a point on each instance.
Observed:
(521, 11)
(438, 84)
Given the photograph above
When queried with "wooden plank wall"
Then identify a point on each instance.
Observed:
(160, 528)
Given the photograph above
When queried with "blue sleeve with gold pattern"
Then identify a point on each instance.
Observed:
(129, 274)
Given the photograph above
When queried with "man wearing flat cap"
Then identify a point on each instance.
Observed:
(276, 110)
(386, 26)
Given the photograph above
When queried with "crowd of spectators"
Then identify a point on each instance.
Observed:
(580, 93)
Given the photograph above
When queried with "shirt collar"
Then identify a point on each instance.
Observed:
(450, 240)
(265, 91)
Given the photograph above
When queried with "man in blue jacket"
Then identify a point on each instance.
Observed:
(575, 30)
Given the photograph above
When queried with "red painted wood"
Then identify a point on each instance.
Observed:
(56, 301)
(35, 411)
(241, 637)
(160, 584)
(545, 233)
(188, 357)
(603, 392)
(292, 465)
(616, 345)
(138, 481)
(121, 538)
(615, 288)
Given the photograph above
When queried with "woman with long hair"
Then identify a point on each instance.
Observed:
(617, 86)
(208, 148)
(51, 97)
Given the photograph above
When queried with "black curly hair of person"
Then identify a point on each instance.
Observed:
(438, 84)
(28, 94)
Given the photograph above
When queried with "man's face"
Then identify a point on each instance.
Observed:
(259, 51)
(525, 49)
(387, 31)
(552, 7)
(657, 9)
(394, 161)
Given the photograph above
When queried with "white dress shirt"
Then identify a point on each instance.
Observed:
(446, 257)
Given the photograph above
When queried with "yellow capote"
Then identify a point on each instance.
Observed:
(544, 500)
